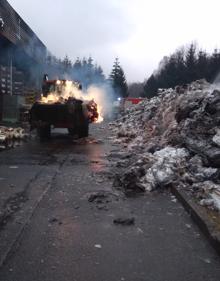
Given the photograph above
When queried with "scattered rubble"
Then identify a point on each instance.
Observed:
(98, 197)
(124, 221)
(102, 197)
(11, 137)
(54, 220)
(172, 139)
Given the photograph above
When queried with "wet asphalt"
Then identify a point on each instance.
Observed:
(57, 231)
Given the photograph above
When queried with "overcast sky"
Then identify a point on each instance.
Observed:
(139, 32)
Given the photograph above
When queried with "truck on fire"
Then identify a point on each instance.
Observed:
(62, 105)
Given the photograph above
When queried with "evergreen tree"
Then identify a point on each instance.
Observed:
(84, 63)
(118, 80)
(214, 65)
(99, 75)
(77, 64)
(77, 70)
(136, 89)
(89, 71)
(202, 65)
(82, 70)
(180, 67)
(90, 63)
(67, 65)
(191, 63)
(151, 86)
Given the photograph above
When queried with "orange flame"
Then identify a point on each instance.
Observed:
(51, 98)
(71, 91)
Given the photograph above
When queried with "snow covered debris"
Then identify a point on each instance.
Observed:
(173, 138)
(165, 169)
(10, 137)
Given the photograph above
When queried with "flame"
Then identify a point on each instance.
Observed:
(92, 99)
(51, 98)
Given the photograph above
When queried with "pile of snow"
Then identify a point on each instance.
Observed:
(173, 138)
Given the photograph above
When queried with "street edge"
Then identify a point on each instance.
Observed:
(6, 254)
(200, 217)
(48, 186)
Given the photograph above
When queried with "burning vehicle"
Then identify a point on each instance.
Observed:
(63, 105)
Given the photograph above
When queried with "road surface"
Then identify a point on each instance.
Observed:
(58, 208)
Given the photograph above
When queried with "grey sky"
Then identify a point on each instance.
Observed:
(139, 32)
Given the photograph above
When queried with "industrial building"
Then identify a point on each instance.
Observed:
(22, 57)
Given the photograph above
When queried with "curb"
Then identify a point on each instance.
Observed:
(200, 216)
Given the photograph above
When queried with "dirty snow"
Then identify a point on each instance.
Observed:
(172, 139)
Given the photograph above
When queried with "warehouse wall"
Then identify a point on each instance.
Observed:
(20, 34)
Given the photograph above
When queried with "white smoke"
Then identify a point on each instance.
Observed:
(102, 95)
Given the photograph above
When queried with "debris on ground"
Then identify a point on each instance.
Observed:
(124, 221)
(101, 197)
(54, 220)
(98, 197)
(171, 139)
(11, 137)
(98, 246)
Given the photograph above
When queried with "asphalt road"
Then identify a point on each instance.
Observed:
(54, 227)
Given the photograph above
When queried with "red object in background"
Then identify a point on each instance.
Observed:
(134, 100)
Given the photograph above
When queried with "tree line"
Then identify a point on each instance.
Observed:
(83, 70)
(183, 67)
(88, 73)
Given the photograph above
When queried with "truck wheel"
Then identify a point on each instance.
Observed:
(43, 132)
(83, 130)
